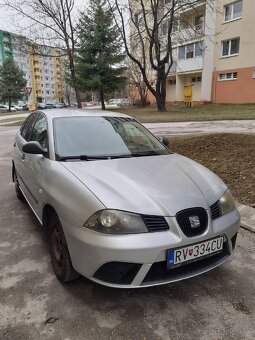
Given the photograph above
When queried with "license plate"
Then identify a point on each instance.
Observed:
(194, 251)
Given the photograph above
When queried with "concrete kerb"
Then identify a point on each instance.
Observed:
(247, 217)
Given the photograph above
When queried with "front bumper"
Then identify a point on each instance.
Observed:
(139, 260)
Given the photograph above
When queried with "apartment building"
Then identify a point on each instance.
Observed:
(41, 65)
(234, 53)
(213, 52)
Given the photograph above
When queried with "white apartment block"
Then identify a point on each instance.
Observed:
(213, 51)
(41, 65)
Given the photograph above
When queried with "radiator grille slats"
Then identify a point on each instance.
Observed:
(155, 223)
(216, 210)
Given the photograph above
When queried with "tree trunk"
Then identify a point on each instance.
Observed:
(10, 104)
(73, 77)
(68, 100)
(102, 99)
(161, 91)
(77, 93)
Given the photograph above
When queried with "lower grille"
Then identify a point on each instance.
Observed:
(159, 272)
(122, 273)
(186, 217)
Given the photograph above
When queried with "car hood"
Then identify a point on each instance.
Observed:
(153, 185)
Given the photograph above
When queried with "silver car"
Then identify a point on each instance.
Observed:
(116, 205)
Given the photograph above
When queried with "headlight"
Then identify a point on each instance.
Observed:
(116, 222)
(227, 202)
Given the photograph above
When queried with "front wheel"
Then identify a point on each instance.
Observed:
(60, 258)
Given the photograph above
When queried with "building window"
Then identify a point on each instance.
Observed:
(227, 76)
(196, 79)
(190, 51)
(253, 74)
(230, 47)
(181, 54)
(233, 11)
(172, 81)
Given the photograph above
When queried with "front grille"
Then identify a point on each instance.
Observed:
(216, 210)
(159, 272)
(155, 223)
(185, 217)
(122, 273)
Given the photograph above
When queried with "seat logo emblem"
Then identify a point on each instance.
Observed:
(194, 222)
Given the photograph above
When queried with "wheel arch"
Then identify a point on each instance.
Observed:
(48, 210)
(13, 170)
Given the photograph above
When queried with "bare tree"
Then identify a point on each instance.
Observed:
(146, 23)
(137, 84)
(52, 21)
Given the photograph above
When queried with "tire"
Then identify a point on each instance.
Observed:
(19, 194)
(60, 257)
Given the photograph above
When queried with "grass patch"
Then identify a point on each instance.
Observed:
(180, 113)
(227, 155)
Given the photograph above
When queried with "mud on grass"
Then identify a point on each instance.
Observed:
(230, 156)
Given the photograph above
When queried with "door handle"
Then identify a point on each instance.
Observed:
(23, 157)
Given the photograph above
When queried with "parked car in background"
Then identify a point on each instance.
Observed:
(114, 101)
(41, 105)
(3, 108)
(60, 105)
(25, 107)
(18, 107)
(49, 106)
(124, 102)
(117, 206)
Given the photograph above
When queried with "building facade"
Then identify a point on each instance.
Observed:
(42, 67)
(213, 52)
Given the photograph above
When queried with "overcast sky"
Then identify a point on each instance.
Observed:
(7, 18)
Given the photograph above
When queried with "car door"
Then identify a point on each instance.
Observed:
(22, 137)
(35, 163)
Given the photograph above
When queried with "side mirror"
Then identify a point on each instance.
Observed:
(33, 148)
(163, 140)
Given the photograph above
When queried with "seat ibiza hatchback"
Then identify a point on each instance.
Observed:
(116, 205)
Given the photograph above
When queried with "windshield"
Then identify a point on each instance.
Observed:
(103, 136)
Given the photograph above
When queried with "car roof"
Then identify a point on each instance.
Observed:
(67, 112)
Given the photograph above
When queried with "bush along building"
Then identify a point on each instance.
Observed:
(42, 66)
(213, 52)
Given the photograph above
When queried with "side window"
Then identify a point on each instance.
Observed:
(39, 132)
(28, 125)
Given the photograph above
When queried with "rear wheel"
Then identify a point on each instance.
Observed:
(19, 194)
(60, 257)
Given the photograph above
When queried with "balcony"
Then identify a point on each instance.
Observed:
(189, 34)
(189, 65)
(186, 4)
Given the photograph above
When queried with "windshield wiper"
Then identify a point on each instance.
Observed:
(83, 158)
(93, 158)
(147, 153)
